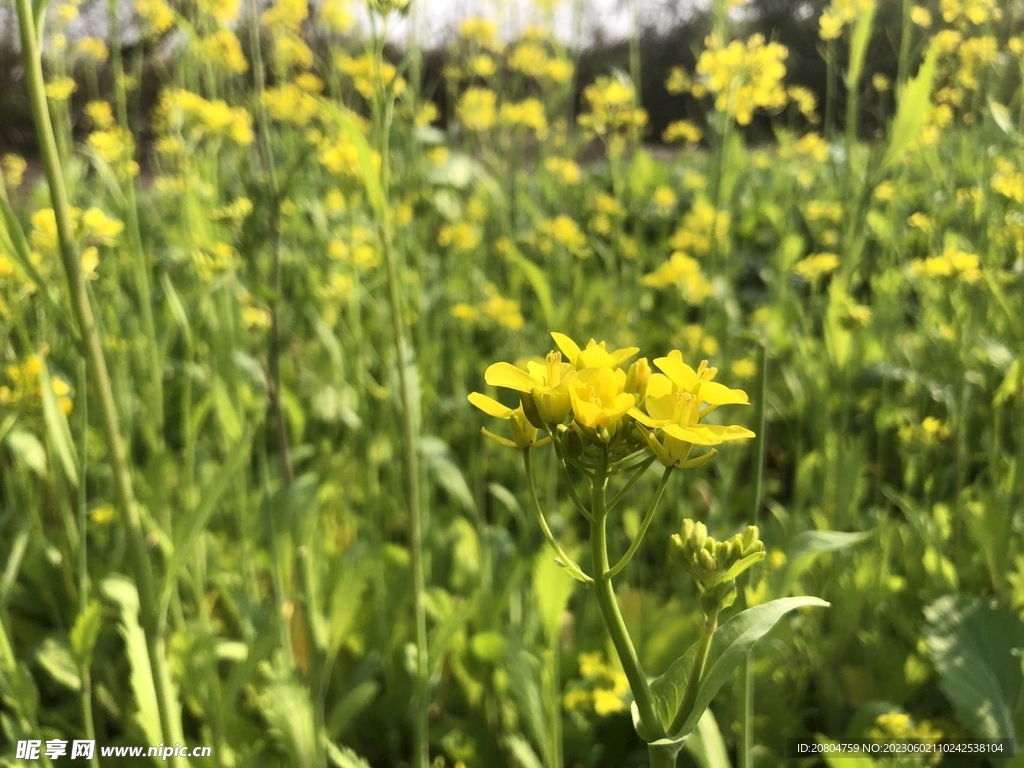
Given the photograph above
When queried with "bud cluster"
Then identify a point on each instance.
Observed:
(715, 565)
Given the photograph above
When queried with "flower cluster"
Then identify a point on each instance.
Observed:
(586, 400)
(744, 77)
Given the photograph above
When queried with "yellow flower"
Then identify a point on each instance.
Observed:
(673, 403)
(595, 355)
(599, 400)
(744, 77)
(544, 388)
(61, 88)
(477, 109)
(13, 169)
(102, 514)
(607, 702)
(524, 434)
(816, 266)
(921, 16)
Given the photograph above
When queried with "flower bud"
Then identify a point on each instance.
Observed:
(751, 537)
(572, 443)
(530, 409)
(524, 434)
(637, 377)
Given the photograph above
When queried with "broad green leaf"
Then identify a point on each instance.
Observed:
(346, 602)
(227, 415)
(442, 468)
(551, 594)
(706, 745)
(55, 657)
(122, 592)
(971, 645)
(911, 112)
(732, 641)
(57, 425)
(85, 631)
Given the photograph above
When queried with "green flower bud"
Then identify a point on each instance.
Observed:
(751, 537)
(572, 443)
(530, 409)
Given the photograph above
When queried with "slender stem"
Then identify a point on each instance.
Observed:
(631, 482)
(707, 632)
(99, 377)
(542, 520)
(624, 560)
(662, 755)
(609, 606)
(745, 746)
(580, 506)
(83, 559)
(410, 430)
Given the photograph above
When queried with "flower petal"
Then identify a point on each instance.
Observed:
(498, 438)
(508, 376)
(682, 375)
(569, 347)
(713, 393)
(489, 405)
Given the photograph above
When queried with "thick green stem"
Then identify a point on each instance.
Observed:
(99, 378)
(609, 606)
(662, 755)
(644, 525)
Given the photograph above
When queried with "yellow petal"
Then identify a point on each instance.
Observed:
(569, 347)
(699, 435)
(682, 375)
(507, 375)
(713, 393)
(489, 405)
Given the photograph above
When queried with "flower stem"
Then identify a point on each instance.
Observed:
(624, 560)
(610, 608)
(631, 482)
(566, 560)
(568, 480)
(99, 378)
(707, 632)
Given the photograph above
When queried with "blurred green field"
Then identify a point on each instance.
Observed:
(269, 522)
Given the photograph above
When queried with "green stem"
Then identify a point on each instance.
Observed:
(745, 745)
(662, 755)
(631, 482)
(410, 434)
(609, 606)
(580, 506)
(566, 560)
(99, 377)
(624, 560)
(707, 632)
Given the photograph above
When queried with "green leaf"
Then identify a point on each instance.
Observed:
(85, 631)
(911, 112)
(551, 594)
(575, 571)
(122, 592)
(57, 426)
(538, 280)
(343, 757)
(445, 471)
(806, 546)
(1001, 116)
(354, 701)
(706, 745)
(971, 645)
(55, 657)
(227, 414)
(731, 643)
(26, 447)
(522, 753)
(859, 45)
